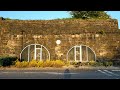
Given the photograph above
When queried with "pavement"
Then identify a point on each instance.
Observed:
(61, 73)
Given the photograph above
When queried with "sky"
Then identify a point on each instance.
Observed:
(47, 15)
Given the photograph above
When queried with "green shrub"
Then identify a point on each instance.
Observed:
(7, 61)
(99, 64)
(24, 64)
(33, 63)
(84, 64)
(67, 63)
(59, 63)
(107, 63)
(75, 63)
(40, 63)
(1, 63)
(18, 64)
(92, 63)
(116, 63)
(48, 63)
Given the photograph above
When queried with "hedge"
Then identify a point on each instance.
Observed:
(7, 61)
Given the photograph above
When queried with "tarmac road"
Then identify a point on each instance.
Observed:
(60, 74)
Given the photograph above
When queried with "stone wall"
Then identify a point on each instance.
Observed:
(102, 36)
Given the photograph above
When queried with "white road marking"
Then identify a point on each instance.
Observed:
(42, 72)
(104, 73)
(51, 72)
(31, 72)
(111, 73)
(115, 70)
(9, 72)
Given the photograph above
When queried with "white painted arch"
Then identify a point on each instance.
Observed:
(28, 46)
(80, 46)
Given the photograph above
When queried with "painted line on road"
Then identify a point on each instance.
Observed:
(115, 70)
(51, 73)
(104, 73)
(111, 73)
(42, 72)
(9, 72)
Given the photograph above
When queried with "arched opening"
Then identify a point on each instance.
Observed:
(81, 53)
(35, 52)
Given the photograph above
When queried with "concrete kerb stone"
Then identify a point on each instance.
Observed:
(63, 68)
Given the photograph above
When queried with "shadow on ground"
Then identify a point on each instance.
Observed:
(67, 74)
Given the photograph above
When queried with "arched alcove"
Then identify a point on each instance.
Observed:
(34, 52)
(81, 53)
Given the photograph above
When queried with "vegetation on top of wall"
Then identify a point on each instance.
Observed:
(95, 19)
(63, 18)
(2, 18)
(89, 14)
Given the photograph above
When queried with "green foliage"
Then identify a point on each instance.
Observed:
(18, 64)
(32, 63)
(36, 63)
(102, 32)
(40, 63)
(76, 64)
(92, 63)
(89, 14)
(2, 18)
(116, 62)
(67, 63)
(48, 63)
(7, 61)
(59, 63)
(8, 19)
(22, 64)
(107, 63)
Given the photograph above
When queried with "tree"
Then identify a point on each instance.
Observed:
(89, 14)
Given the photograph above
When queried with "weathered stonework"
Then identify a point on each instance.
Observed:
(102, 36)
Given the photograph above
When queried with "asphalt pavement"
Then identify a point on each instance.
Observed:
(60, 74)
